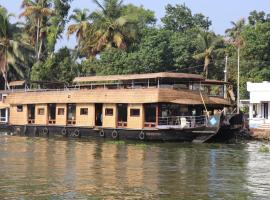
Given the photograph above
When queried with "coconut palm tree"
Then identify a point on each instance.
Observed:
(12, 51)
(235, 34)
(207, 46)
(82, 23)
(38, 10)
(109, 27)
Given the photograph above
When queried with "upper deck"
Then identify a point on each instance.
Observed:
(178, 88)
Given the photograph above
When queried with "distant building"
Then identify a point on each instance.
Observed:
(259, 108)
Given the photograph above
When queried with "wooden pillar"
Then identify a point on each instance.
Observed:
(157, 112)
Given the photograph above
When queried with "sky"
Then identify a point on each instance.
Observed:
(220, 12)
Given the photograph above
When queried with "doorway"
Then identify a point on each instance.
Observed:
(31, 113)
(122, 115)
(71, 114)
(150, 115)
(52, 113)
(98, 114)
(265, 110)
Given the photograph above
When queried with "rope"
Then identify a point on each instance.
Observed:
(203, 101)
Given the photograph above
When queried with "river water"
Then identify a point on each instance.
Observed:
(41, 168)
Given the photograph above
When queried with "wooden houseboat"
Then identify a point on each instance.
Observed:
(157, 106)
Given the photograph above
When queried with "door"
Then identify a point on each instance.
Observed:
(31, 113)
(98, 114)
(71, 114)
(265, 110)
(52, 113)
(122, 115)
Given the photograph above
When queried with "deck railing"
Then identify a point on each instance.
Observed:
(182, 121)
(3, 119)
(71, 122)
(31, 121)
(121, 124)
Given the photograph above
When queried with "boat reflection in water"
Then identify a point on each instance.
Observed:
(39, 168)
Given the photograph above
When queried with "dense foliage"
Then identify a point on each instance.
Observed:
(119, 38)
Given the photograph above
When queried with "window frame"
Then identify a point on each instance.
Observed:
(131, 114)
(60, 109)
(20, 109)
(82, 111)
(107, 113)
(41, 111)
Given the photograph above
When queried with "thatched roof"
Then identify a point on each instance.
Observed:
(137, 77)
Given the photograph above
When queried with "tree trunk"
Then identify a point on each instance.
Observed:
(238, 80)
(37, 38)
(4, 72)
(40, 48)
(206, 64)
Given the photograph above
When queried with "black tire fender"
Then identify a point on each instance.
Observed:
(114, 134)
(64, 132)
(76, 133)
(142, 135)
(45, 131)
(101, 133)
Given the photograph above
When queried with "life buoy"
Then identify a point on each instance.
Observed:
(101, 133)
(64, 132)
(114, 134)
(76, 133)
(45, 131)
(142, 135)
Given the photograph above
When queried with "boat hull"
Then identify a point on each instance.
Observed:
(198, 135)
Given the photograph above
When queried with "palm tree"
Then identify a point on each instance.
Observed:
(207, 46)
(235, 34)
(109, 27)
(81, 19)
(37, 9)
(12, 51)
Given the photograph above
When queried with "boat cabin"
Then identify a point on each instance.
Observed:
(139, 101)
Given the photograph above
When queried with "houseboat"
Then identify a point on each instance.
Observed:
(158, 106)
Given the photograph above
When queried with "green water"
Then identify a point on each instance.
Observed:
(39, 168)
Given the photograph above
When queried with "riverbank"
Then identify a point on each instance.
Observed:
(261, 134)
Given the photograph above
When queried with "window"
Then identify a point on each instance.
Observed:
(134, 112)
(19, 108)
(41, 111)
(61, 111)
(84, 111)
(109, 112)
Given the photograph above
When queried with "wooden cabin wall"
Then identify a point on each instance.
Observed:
(135, 122)
(18, 118)
(61, 120)
(41, 118)
(85, 120)
(109, 121)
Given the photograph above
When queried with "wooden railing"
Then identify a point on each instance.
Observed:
(150, 124)
(71, 122)
(121, 124)
(52, 122)
(31, 121)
